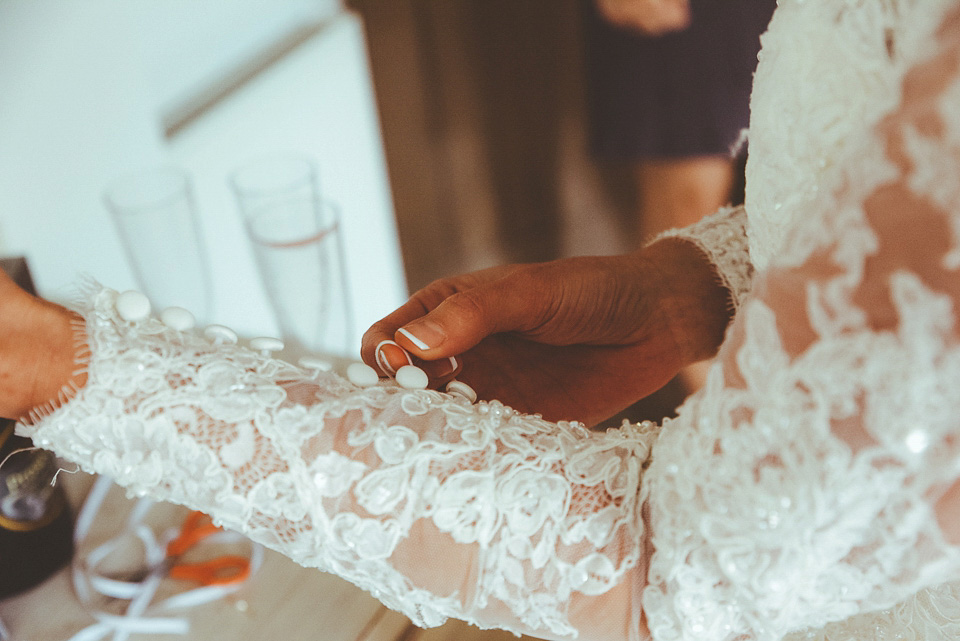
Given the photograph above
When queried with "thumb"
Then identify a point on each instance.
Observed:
(464, 319)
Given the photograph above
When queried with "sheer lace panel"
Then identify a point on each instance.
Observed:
(438, 507)
(828, 71)
(799, 488)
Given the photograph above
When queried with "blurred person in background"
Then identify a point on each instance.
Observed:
(668, 91)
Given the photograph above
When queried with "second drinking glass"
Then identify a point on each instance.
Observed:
(298, 246)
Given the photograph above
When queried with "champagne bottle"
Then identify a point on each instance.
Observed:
(36, 526)
(36, 530)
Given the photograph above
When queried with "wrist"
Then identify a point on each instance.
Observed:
(693, 300)
(37, 353)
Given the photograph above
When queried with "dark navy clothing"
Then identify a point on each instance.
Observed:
(677, 95)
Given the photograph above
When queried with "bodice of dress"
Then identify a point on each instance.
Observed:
(828, 70)
(833, 70)
(796, 494)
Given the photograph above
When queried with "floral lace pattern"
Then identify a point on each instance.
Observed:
(761, 532)
(368, 483)
(795, 490)
(807, 112)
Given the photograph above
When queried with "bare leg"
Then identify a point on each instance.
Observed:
(677, 193)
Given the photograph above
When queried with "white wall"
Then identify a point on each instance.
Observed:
(84, 85)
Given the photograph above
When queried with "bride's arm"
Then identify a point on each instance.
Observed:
(438, 507)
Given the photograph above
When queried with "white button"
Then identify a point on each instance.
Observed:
(362, 375)
(462, 389)
(312, 362)
(178, 318)
(220, 334)
(266, 344)
(132, 305)
(412, 377)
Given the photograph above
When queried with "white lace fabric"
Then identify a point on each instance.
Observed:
(795, 495)
(828, 71)
(438, 507)
(797, 490)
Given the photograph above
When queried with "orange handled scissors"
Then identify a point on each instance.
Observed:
(224, 570)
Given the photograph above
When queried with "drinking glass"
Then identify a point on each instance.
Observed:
(155, 215)
(298, 245)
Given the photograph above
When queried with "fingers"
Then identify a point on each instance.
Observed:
(449, 317)
(465, 318)
(378, 348)
(390, 357)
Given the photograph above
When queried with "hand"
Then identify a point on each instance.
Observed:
(36, 350)
(575, 339)
(653, 17)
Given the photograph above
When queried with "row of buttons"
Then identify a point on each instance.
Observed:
(133, 306)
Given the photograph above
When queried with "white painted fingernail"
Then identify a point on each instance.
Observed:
(382, 360)
(453, 364)
(383, 363)
(413, 339)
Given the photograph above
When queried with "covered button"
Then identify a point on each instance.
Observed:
(362, 375)
(132, 305)
(220, 334)
(266, 344)
(412, 377)
(178, 318)
(462, 389)
(313, 362)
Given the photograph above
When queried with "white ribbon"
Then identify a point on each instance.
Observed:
(142, 616)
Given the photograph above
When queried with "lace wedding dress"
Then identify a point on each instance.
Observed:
(797, 494)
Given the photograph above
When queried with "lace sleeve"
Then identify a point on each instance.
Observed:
(438, 507)
(722, 236)
(813, 479)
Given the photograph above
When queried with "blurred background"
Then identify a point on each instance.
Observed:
(95, 90)
(451, 134)
(484, 123)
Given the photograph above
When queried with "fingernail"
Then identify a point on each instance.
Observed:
(453, 364)
(388, 351)
(438, 372)
(424, 334)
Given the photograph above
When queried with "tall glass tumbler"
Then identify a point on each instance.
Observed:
(155, 215)
(298, 245)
